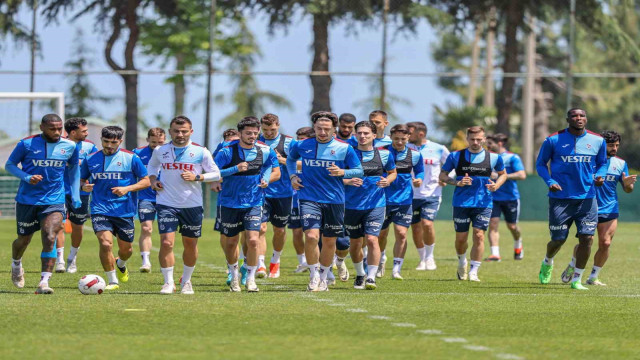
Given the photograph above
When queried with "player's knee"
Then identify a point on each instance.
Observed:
(166, 244)
(427, 224)
(253, 242)
(106, 245)
(277, 231)
(147, 229)
(512, 226)
(605, 243)
(263, 228)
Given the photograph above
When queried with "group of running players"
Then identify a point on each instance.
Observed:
(338, 186)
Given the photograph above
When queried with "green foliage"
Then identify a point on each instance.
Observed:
(10, 26)
(453, 118)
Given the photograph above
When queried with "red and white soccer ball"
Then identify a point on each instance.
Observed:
(91, 285)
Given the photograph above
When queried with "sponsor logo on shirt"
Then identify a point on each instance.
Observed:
(107, 176)
(48, 163)
(178, 166)
(576, 158)
(37, 151)
(319, 163)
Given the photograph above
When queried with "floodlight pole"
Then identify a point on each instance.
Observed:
(207, 116)
(33, 63)
(572, 39)
(383, 64)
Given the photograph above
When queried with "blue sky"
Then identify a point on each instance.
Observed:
(290, 51)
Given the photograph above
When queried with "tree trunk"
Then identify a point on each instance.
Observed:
(179, 87)
(489, 87)
(515, 16)
(473, 71)
(321, 83)
(131, 100)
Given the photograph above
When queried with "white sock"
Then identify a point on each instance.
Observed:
(359, 268)
(462, 259)
(573, 262)
(111, 277)
(121, 263)
(187, 271)
(548, 261)
(365, 252)
(495, 251)
(302, 260)
(577, 275)
(371, 272)
(233, 270)
(44, 277)
(261, 261)
(383, 256)
(73, 253)
(313, 270)
(422, 253)
(275, 258)
(16, 264)
(397, 265)
(324, 271)
(428, 251)
(595, 272)
(168, 275)
(517, 244)
(475, 265)
(60, 252)
(251, 272)
(339, 261)
(145, 257)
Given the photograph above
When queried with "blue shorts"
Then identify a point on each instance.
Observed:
(188, 219)
(276, 211)
(510, 209)
(234, 221)
(294, 218)
(359, 223)
(564, 212)
(123, 228)
(78, 216)
(342, 243)
(147, 210)
(399, 215)
(463, 217)
(425, 209)
(329, 218)
(603, 218)
(29, 217)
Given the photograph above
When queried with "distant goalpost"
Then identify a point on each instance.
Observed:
(31, 96)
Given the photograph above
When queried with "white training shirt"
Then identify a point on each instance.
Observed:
(172, 161)
(434, 156)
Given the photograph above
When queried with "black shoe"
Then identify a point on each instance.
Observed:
(359, 283)
(370, 284)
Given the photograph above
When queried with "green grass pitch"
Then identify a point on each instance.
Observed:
(509, 315)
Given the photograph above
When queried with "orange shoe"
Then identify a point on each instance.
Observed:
(493, 258)
(518, 254)
(261, 273)
(274, 271)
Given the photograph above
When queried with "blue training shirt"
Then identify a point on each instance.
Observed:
(123, 168)
(84, 149)
(281, 188)
(369, 195)
(377, 142)
(607, 195)
(574, 160)
(475, 195)
(221, 146)
(400, 192)
(144, 153)
(240, 190)
(509, 190)
(50, 160)
(316, 157)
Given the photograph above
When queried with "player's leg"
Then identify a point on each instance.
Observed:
(251, 224)
(146, 229)
(231, 254)
(390, 213)
(357, 257)
(51, 223)
(77, 231)
(354, 222)
(606, 231)
(27, 223)
(124, 229)
(262, 249)
(399, 250)
(586, 219)
(559, 222)
(60, 240)
(311, 217)
(417, 232)
(190, 222)
(461, 224)
(429, 239)
(494, 233)
(105, 242)
(298, 239)
(511, 211)
(279, 218)
(167, 226)
(373, 257)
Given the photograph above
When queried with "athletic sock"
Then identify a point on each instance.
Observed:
(251, 272)
(371, 272)
(60, 252)
(573, 262)
(16, 264)
(422, 253)
(275, 258)
(517, 244)
(121, 263)
(233, 269)
(324, 271)
(339, 261)
(383, 256)
(44, 277)
(495, 251)
(167, 273)
(301, 259)
(365, 252)
(73, 253)
(359, 268)
(577, 275)
(595, 272)
(429, 251)
(111, 277)
(475, 266)
(187, 271)
(462, 259)
(548, 260)
(397, 265)
(313, 270)
(261, 261)
(145, 258)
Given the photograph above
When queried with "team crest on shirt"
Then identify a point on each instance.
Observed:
(81, 151)
(588, 146)
(62, 151)
(333, 152)
(191, 154)
(119, 163)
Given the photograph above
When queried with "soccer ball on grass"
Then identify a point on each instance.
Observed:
(91, 285)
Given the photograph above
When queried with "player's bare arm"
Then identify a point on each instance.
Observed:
(628, 182)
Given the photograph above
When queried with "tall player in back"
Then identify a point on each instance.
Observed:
(577, 161)
(40, 199)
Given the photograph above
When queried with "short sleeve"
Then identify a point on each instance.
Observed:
(138, 168)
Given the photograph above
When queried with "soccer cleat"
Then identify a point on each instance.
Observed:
(576, 285)
(597, 282)
(431, 264)
(323, 286)
(462, 271)
(567, 274)
(17, 276)
(186, 288)
(261, 273)
(274, 271)
(234, 285)
(343, 272)
(422, 265)
(112, 286)
(229, 278)
(168, 289)
(251, 286)
(313, 284)
(545, 273)
(146, 268)
(243, 278)
(396, 276)
(123, 274)
(518, 254)
(44, 288)
(60, 268)
(359, 282)
(494, 258)
(301, 268)
(474, 277)
(370, 284)
(72, 268)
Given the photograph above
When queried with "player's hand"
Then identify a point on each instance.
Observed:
(555, 188)
(281, 159)
(357, 182)
(263, 184)
(216, 186)
(243, 166)
(35, 179)
(417, 182)
(599, 181)
(156, 185)
(334, 170)
(442, 183)
(296, 182)
(188, 176)
(87, 187)
(466, 181)
(491, 186)
(628, 180)
(120, 190)
(383, 182)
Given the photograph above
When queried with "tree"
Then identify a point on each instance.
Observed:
(10, 27)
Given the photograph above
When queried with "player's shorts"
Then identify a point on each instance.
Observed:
(78, 216)
(189, 220)
(398, 214)
(603, 218)
(294, 218)
(564, 212)
(123, 228)
(147, 210)
(463, 217)
(276, 211)
(329, 218)
(29, 217)
(510, 209)
(426, 209)
(234, 221)
(359, 223)
(342, 243)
